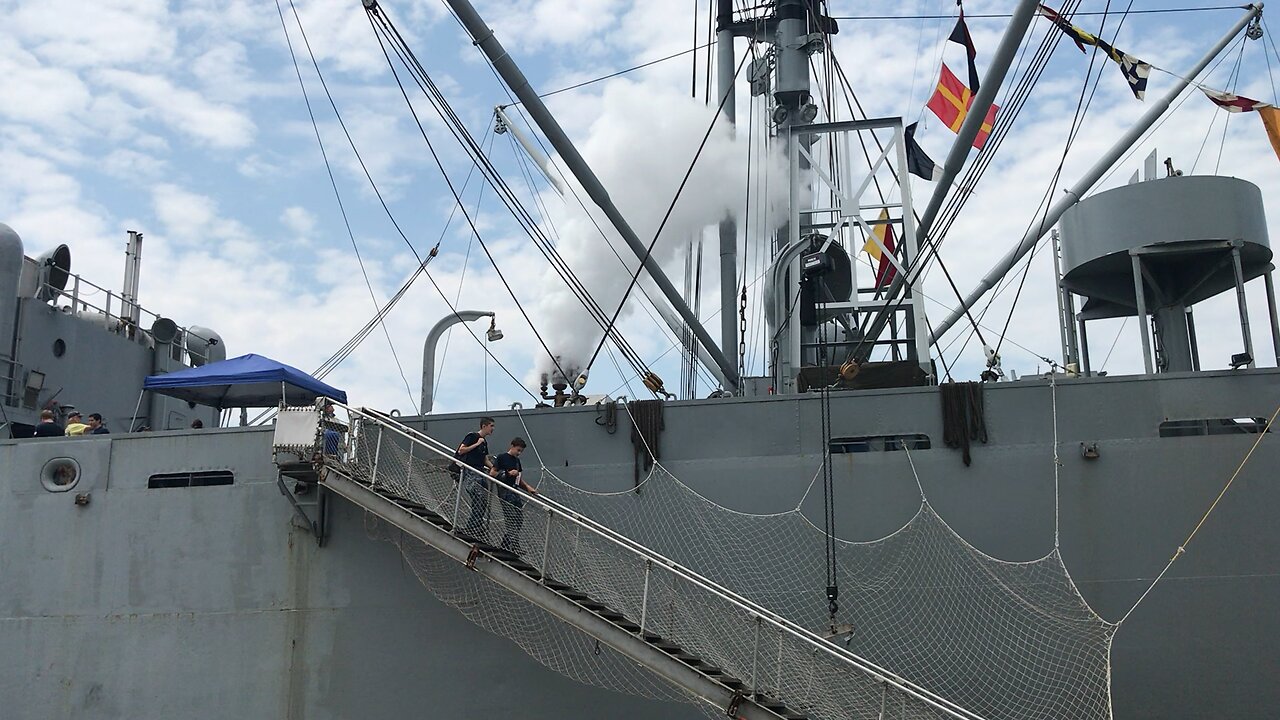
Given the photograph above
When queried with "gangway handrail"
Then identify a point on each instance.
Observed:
(777, 621)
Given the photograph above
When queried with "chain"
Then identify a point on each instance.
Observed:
(742, 332)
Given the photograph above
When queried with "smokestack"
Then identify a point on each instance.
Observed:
(11, 256)
(132, 267)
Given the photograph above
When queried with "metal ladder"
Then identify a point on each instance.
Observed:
(355, 475)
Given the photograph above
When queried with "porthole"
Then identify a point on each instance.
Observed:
(60, 474)
(59, 347)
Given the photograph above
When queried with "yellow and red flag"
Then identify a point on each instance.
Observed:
(951, 102)
(883, 232)
(1271, 121)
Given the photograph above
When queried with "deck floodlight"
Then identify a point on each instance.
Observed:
(494, 334)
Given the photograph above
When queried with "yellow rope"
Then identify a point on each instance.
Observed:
(1183, 547)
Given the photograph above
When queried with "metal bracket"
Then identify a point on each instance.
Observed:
(318, 524)
(471, 557)
(734, 702)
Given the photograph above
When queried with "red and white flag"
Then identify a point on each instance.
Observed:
(1232, 102)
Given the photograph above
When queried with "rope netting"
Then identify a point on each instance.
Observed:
(925, 608)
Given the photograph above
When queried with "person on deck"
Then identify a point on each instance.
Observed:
(95, 425)
(474, 453)
(74, 424)
(332, 438)
(508, 471)
(48, 427)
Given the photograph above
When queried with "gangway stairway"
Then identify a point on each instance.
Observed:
(688, 630)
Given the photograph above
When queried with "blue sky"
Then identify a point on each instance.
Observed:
(185, 121)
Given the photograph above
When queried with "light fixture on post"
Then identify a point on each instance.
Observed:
(429, 348)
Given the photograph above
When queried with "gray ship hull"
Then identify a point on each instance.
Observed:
(214, 602)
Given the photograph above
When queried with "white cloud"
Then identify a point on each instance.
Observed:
(183, 110)
(102, 33)
(36, 93)
(298, 221)
(186, 216)
(131, 165)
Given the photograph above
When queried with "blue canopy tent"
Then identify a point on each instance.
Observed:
(245, 381)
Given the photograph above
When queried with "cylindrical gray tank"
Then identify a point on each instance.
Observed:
(11, 255)
(1180, 223)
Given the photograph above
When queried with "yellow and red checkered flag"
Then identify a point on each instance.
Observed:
(951, 102)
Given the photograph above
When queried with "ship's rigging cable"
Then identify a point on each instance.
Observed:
(1077, 122)
(341, 207)
(670, 208)
(466, 262)
(515, 103)
(1233, 79)
(1057, 460)
(828, 478)
(980, 16)
(1271, 42)
(370, 13)
(382, 200)
(385, 29)
(1266, 430)
(388, 34)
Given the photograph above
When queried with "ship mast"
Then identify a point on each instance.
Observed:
(728, 228)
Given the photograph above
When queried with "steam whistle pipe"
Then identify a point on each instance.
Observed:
(524, 92)
(536, 155)
(1090, 178)
(728, 227)
(429, 351)
(973, 120)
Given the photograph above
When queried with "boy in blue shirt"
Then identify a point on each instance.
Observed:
(508, 471)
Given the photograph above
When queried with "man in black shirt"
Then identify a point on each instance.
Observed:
(48, 427)
(95, 425)
(508, 471)
(474, 453)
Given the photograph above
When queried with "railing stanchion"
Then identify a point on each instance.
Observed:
(457, 501)
(546, 546)
(777, 670)
(408, 473)
(755, 654)
(377, 453)
(644, 596)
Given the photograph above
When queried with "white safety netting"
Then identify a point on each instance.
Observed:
(998, 639)
(1001, 639)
